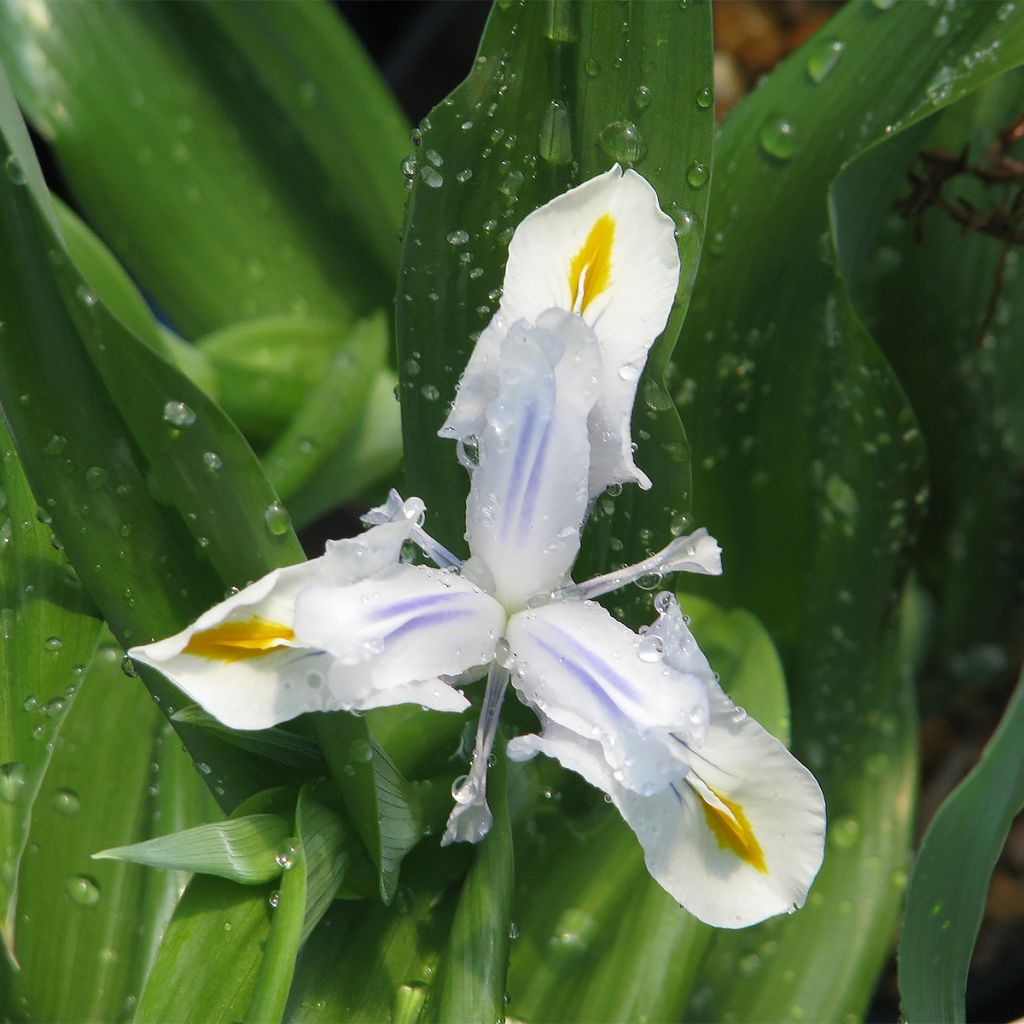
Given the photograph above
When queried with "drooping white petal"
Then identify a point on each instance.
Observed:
(405, 625)
(241, 661)
(529, 491)
(737, 841)
(606, 250)
(583, 670)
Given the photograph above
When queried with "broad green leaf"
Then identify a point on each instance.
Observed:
(86, 929)
(559, 92)
(240, 849)
(385, 808)
(276, 744)
(153, 549)
(47, 634)
(471, 981)
(265, 367)
(944, 307)
(319, 76)
(330, 409)
(332, 980)
(950, 880)
(600, 940)
(208, 962)
(370, 454)
(314, 864)
(809, 464)
(186, 153)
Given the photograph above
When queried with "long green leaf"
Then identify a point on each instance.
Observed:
(471, 985)
(215, 207)
(241, 849)
(558, 93)
(47, 635)
(950, 880)
(101, 918)
(153, 549)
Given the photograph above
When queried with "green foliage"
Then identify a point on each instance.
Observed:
(235, 169)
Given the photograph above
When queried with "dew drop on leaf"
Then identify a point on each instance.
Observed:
(277, 519)
(83, 890)
(778, 138)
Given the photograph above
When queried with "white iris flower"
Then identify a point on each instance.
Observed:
(731, 824)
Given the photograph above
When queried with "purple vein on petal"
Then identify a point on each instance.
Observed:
(424, 621)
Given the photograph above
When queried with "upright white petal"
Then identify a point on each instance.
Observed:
(586, 672)
(606, 250)
(406, 625)
(241, 661)
(529, 491)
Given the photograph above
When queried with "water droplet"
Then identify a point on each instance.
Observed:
(554, 139)
(650, 581)
(53, 643)
(778, 138)
(95, 478)
(288, 854)
(212, 461)
(277, 519)
(512, 183)
(824, 56)
(622, 141)
(83, 890)
(274, 899)
(409, 168)
(592, 68)
(642, 97)
(705, 98)
(66, 802)
(574, 932)
(664, 602)
(457, 237)
(431, 176)
(12, 781)
(15, 172)
(941, 26)
(179, 415)
(55, 445)
(697, 174)
(650, 648)
(464, 789)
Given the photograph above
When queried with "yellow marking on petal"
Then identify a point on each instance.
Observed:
(236, 641)
(592, 265)
(733, 832)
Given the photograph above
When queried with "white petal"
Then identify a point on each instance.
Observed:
(225, 671)
(529, 491)
(407, 624)
(779, 799)
(628, 306)
(583, 670)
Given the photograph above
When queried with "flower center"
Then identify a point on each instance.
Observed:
(590, 271)
(733, 832)
(236, 641)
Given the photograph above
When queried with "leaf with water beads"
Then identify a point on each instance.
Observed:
(243, 849)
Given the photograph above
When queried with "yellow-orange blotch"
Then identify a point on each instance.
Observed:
(236, 641)
(733, 832)
(593, 263)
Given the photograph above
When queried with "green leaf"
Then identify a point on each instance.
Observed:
(317, 73)
(558, 93)
(950, 880)
(276, 744)
(599, 939)
(384, 806)
(810, 462)
(943, 303)
(47, 634)
(181, 144)
(241, 849)
(331, 409)
(152, 548)
(332, 980)
(371, 453)
(471, 982)
(208, 962)
(100, 919)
